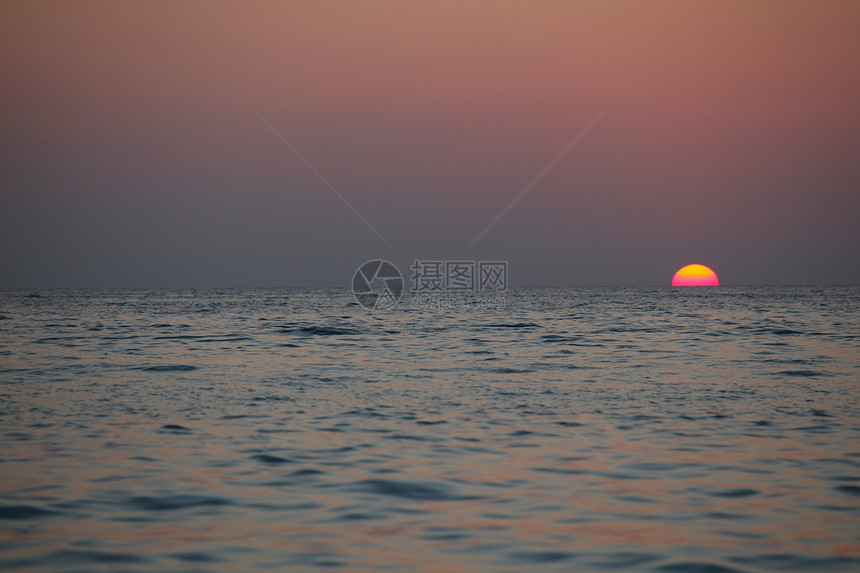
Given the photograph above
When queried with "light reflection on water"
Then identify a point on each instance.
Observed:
(577, 429)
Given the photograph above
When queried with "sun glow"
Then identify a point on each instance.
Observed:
(695, 275)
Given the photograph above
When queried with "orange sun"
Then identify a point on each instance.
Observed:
(695, 275)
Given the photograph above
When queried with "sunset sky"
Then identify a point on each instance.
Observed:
(131, 153)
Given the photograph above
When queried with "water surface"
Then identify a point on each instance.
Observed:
(590, 429)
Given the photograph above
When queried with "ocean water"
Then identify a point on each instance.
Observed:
(576, 429)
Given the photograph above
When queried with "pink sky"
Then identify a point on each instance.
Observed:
(131, 153)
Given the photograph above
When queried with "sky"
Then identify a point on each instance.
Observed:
(196, 144)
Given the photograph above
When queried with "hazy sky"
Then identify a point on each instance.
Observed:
(131, 154)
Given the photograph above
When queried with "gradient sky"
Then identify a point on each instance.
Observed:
(130, 153)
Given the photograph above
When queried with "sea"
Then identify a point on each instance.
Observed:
(569, 429)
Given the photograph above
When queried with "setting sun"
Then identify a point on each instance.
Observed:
(695, 275)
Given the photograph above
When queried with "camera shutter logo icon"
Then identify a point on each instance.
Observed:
(377, 285)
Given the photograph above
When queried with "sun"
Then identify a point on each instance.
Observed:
(695, 275)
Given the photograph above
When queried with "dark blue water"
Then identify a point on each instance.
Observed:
(575, 429)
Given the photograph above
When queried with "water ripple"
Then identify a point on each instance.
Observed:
(582, 429)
